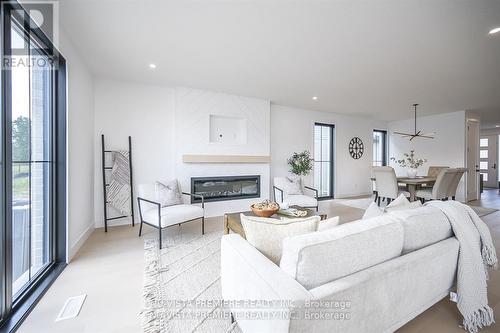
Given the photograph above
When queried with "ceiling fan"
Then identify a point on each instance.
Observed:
(416, 134)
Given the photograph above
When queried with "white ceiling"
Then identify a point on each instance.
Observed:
(371, 58)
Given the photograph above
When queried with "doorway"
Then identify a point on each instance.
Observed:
(488, 160)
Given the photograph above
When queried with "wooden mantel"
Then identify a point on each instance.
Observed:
(226, 159)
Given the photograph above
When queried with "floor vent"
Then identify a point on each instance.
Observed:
(71, 308)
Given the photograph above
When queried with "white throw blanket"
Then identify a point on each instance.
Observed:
(119, 185)
(476, 254)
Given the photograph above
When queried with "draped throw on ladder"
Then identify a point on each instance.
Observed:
(119, 185)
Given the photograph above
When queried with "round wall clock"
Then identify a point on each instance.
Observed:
(356, 148)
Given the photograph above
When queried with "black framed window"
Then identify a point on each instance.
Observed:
(324, 160)
(379, 148)
(33, 175)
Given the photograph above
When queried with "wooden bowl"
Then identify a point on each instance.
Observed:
(264, 212)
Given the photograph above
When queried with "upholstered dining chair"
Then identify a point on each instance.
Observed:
(441, 188)
(435, 170)
(153, 214)
(452, 191)
(292, 191)
(387, 184)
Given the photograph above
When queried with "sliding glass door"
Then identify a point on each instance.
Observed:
(33, 163)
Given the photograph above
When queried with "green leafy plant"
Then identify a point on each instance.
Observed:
(300, 163)
(409, 160)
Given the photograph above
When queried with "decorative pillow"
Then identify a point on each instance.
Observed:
(168, 193)
(293, 185)
(329, 223)
(372, 211)
(267, 234)
(402, 202)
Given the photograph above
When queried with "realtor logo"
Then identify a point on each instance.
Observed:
(41, 17)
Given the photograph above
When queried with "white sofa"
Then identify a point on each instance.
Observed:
(382, 272)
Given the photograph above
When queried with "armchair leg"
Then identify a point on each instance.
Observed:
(389, 200)
(453, 198)
(316, 208)
(376, 196)
(140, 229)
(160, 236)
(203, 225)
(378, 201)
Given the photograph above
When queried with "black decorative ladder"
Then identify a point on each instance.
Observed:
(105, 185)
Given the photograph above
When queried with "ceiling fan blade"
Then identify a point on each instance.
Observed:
(418, 133)
(413, 136)
(426, 136)
(405, 134)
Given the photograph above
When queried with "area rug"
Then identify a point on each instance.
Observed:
(483, 211)
(182, 291)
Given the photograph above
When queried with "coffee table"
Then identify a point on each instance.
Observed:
(232, 221)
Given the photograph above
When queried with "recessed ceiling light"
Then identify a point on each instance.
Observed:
(494, 31)
(315, 98)
(152, 66)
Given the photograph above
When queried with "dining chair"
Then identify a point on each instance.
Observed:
(459, 172)
(441, 188)
(387, 184)
(433, 172)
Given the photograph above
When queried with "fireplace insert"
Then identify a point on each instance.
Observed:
(225, 188)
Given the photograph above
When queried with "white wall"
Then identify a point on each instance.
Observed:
(166, 123)
(447, 148)
(80, 134)
(292, 131)
(146, 113)
(192, 117)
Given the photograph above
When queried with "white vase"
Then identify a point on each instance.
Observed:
(412, 172)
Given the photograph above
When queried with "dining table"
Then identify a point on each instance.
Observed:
(414, 184)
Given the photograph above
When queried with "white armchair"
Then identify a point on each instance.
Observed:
(152, 213)
(281, 192)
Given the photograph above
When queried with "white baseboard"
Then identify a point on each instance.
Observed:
(352, 195)
(72, 251)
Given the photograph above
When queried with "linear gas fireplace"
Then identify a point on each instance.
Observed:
(225, 188)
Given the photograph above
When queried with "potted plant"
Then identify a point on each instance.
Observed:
(301, 163)
(410, 163)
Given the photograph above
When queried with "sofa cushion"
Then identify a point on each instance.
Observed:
(372, 211)
(317, 258)
(422, 227)
(267, 234)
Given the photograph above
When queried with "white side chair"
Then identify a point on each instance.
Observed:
(387, 184)
(452, 191)
(441, 189)
(280, 194)
(151, 212)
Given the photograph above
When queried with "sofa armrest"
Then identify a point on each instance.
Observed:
(247, 275)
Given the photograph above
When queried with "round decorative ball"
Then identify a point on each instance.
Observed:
(356, 148)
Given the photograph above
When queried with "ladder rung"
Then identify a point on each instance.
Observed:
(116, 217)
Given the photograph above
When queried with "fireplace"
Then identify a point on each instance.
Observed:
(225, 188)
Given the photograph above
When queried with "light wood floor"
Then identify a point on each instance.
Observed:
(109, 270)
